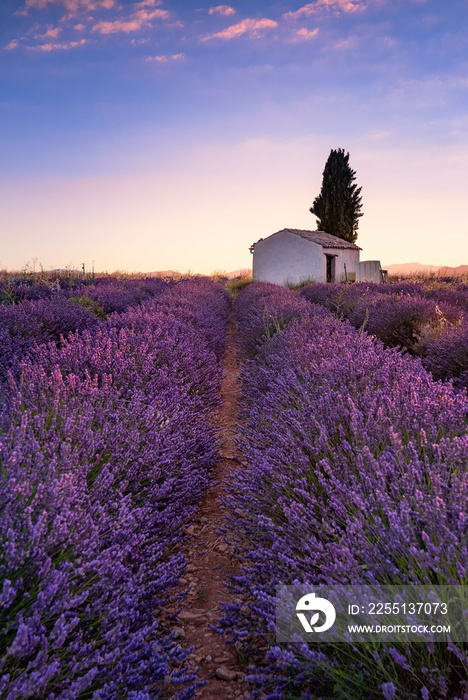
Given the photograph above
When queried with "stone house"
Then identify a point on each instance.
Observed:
(292, 256)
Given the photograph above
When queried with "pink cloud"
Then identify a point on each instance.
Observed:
(166, 59)
(222, 10)
(51, 33)
(338, 6)
(137, 21)
(147, 3)
(73, 7)
(247, 26)
(303, 34)
(56, 47)
(347, 43)
(12, 45)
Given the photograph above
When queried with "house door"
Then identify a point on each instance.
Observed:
(330, 268)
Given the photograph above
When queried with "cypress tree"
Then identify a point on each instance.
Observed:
(338, 206)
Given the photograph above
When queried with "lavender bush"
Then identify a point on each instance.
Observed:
(427, 320)
(110, 295)
(113, 293)
(206, 309)
(356, 474)
(446, 354)
(396, 319)
(15, 291)
(57, 309)
(105, 452)
(32, 322)
(264, 309)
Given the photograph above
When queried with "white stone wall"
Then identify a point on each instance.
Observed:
(286, 257)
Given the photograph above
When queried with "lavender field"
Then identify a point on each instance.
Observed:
(356, 474)
(106, 450)
(353, 421)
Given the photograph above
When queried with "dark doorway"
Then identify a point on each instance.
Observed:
(330, 267)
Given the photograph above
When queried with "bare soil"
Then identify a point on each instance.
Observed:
(209, 561)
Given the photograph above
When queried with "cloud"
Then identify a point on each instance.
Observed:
(304, 34)
(12, 45)
(350, 43)
(247, 26)
(56, 47)
(316, 7)
(222, 10)
(147, 3)
(137, 21)
(166, 59)
(51, 33)
(73, 7)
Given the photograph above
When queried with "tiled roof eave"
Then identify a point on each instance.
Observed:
(340, 247)
(316, 237)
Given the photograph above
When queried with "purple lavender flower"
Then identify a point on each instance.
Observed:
(388, 690)
(352, 452)
(106, 450)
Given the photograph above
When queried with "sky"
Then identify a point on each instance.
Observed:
(168, 134)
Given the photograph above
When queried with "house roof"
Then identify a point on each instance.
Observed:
(326, 240)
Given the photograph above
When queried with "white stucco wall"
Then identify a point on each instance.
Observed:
(286, 257)
(344, 256)
(369, 271)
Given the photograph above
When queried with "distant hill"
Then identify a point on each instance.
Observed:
(239, 273)
(453, 271)
(409, 268)
(417, 268)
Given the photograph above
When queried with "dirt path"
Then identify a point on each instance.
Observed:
(209, 561)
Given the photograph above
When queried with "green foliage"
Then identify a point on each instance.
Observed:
(90, 304)
(338, 206)
(235, 285)
(7, 298)
(296, 286)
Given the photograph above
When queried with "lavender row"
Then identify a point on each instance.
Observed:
(106, 451)
(47, 316)
(431, 323)
(111, 293)
(263, 310)
(444, 290)
(402, 319)
(206, 311)
(356, 474)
